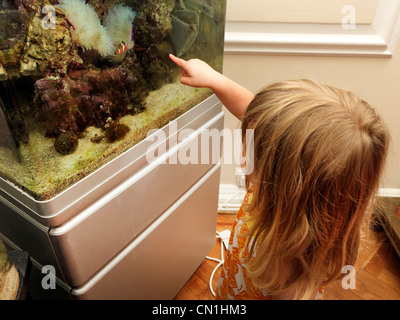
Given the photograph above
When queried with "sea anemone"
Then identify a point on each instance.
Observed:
(119, 24)
(86, 30)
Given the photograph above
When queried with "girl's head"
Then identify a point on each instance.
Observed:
(318, 155)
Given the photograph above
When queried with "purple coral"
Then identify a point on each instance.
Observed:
(55, 106)
(82, 98)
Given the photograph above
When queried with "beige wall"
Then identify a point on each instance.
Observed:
(290, 11)
(377, 80)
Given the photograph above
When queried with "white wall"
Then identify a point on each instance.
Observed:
(290, 11)
(375, 79)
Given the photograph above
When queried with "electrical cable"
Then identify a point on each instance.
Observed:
(220, 263)
(229, 200)
(218, 236)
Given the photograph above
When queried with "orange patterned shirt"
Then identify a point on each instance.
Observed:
(234, 283)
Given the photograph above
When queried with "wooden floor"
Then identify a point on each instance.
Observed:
(377, 273)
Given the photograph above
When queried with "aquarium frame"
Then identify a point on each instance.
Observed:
(62, 207)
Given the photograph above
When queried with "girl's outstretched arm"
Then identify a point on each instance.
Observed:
(197, 73)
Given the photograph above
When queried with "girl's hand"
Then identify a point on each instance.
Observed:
(196, 73)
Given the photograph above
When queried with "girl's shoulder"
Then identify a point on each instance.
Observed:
(246, 201)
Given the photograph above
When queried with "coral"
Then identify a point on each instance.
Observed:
(44, 46)
(30, 7)
(97, 138)
(13, 31)
(3, 73)
(152, 30)
(153, 22)
(158, 69)
(79, 84)
(135, 70)
(86, 30)
(70, 102)
(102, 7)
(66, 143)
(11, 26)
(28, 47)
(115, 131)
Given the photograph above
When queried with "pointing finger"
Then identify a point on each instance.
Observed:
(180, 62)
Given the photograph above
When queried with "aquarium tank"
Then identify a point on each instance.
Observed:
(81, 82)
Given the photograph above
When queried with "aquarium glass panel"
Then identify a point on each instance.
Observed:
(82, 81)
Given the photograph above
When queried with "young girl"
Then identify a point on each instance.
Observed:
(318, 156)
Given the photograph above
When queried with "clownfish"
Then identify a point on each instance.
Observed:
(123, 47)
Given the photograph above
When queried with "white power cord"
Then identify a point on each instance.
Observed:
(224, 237)
(220, 263)
(229, 200)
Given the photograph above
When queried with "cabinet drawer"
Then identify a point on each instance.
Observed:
(159, 262)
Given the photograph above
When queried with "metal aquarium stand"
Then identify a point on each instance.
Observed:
(133, 229)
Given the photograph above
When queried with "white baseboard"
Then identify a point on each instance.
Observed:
(231, 197)
(389, 192)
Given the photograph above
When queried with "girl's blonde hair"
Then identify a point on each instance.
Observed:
(318, 155)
